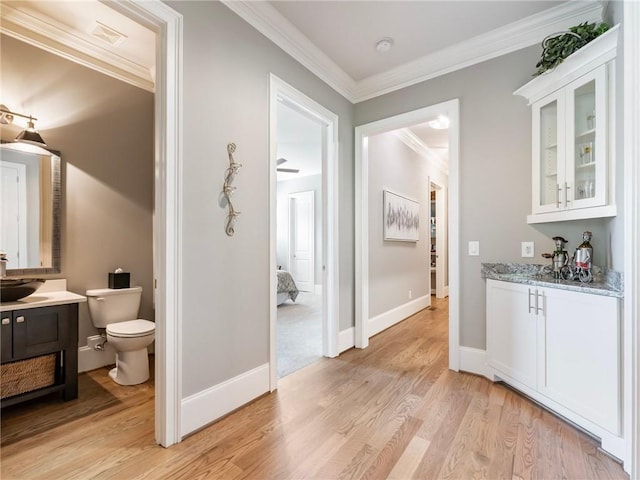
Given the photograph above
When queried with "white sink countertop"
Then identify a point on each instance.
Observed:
(52, 292)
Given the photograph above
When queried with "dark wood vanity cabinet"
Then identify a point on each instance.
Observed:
(33, 332)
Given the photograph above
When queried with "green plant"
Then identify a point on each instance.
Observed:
(557, 47)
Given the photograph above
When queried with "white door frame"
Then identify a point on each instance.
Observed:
(167, 232)
(280, 90)
(23, 251)
(292, 220)
(362, 133)
(631, 158)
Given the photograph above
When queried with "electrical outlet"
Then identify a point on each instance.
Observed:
(410, 294)
(527, 249)
(474, 248)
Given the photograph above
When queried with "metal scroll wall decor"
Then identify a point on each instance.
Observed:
(227, 191)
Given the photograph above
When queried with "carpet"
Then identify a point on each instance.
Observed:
(299, 333)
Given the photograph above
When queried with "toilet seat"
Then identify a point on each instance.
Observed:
(131, 328)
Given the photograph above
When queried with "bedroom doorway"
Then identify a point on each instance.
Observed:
(303, 226)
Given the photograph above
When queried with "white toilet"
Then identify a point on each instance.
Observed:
(116, 310)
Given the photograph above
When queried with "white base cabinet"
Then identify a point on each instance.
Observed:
(563, 349)
(580, 367)
(512, 332)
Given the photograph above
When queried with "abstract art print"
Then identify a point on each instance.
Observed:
(401, 217)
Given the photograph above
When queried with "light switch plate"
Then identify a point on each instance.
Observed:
(527, 249)
(474, 248)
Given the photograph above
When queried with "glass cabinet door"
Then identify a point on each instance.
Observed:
(548, 154)
(586, 149)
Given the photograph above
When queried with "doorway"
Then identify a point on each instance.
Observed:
(303, 222)
(438, 248)
(449, 109)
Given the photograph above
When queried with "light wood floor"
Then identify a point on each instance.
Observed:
(392, 410)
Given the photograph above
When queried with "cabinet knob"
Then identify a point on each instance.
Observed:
(19, 319)
(6, 321)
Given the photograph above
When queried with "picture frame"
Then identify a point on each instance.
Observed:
(401, 217)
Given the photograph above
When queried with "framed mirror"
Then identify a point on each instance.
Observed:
(30, 209)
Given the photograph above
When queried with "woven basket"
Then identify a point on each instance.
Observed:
(27, 375)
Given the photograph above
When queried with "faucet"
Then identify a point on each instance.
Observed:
(3, 264)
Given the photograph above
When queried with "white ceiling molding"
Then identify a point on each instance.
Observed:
(412, 141)
(510, 38)
(55, 38)
(267, 20)
(514, 36)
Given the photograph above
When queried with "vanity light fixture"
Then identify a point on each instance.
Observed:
(30, 134)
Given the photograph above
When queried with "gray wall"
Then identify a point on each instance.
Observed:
(104, 131)
(296, 185)
(226, 295)
(495, 172)
(397, 267)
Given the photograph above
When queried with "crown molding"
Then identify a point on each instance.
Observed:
(54, 37)
(412, 141)
(509, 38)
(272, 24)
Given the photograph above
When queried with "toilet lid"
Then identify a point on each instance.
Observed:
(131, 328)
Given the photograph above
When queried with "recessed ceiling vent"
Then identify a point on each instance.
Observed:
(108, 34)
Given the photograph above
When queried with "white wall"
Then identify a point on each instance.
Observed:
(615, 226)
(397, 267)
(295, 185)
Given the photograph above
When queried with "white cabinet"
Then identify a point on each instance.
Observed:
(573, 135)
(512, 331)
(562, 348)
(580, 367)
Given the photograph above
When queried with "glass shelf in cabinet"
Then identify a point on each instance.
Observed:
(585, 165)
(587, 134)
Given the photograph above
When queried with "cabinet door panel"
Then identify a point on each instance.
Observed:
(511, 331)
(581, 365)
(40, 330)
(586, 139)
(6, 337)
(548, 153)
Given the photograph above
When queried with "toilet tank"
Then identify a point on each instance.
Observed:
(108, 305)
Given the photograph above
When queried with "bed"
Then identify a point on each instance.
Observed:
(286, 287)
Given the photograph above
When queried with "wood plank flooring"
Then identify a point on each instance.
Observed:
(391, 411)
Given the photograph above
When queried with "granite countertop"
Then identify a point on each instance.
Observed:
(606, 282)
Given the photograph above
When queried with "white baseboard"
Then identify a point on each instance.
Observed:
(474, 360)
(385, 320)
(346, 339)
(90, 359)
(204, 407)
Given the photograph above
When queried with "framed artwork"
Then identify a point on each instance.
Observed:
(401, 217)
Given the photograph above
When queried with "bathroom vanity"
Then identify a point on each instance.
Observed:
(39, 344)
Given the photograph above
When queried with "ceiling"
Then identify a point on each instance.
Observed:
(336, 40)
(347, 32)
